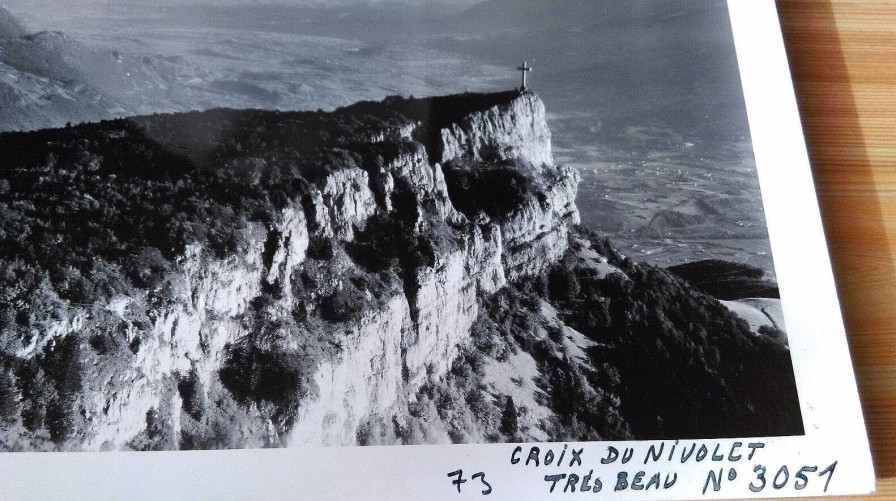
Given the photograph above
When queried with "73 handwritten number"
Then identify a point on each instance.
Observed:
(478, 475)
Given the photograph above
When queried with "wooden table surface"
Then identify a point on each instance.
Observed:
(843, 58)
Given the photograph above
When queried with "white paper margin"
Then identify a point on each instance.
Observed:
(831, 410)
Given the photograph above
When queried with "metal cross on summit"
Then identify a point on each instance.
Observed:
(525, 68)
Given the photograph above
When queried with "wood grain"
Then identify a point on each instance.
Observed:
(843, 58)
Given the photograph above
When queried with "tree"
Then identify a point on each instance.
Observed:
(8, 406)
(509, 418)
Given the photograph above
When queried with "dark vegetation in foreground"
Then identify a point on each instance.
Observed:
(667, 361)
(688, 366)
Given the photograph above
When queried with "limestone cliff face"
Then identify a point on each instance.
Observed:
(366, 378)
(424, 329)
(516, 130)
(444, 299)
(182, 328)
(536, 234)
(348, 201)
(444, 302)
(185, 329)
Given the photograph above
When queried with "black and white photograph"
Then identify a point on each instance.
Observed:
(230, 224)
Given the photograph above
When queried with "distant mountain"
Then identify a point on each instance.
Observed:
(48, 79)
(39, 87)
(9, 25)
(668, 63)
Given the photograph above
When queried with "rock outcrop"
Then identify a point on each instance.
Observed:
(516, 130)
(356, 339)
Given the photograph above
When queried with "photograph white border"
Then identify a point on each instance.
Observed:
(825, 379)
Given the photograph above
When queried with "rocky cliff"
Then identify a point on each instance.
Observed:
(386, 327)
(392, 272)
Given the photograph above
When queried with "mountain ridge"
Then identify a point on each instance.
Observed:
(10, 27)
(380, 274)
